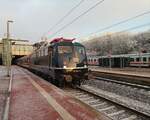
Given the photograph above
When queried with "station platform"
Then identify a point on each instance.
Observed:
(4, 84)
(138, 72)
(33, 98)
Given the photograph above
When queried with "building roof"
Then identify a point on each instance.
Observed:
(121, 55)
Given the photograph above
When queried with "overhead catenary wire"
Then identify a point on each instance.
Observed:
(75, 19)
(132, 28)
(135, 27)
(64, 17)
(126, 30)
(119, 23)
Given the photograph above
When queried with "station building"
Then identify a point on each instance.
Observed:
(19, 48)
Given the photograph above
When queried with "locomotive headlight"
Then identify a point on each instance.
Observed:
(85, 65)
(64, 66)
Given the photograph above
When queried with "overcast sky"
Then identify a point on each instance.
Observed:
(32, 18)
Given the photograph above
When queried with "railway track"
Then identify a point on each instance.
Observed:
(119, 100)
(113, 110)
(135, 96)
(135, 79)
(131, 90)
(135, 85)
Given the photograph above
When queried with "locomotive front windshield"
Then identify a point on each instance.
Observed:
(71, 56)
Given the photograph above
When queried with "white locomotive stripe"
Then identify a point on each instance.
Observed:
(62, 112)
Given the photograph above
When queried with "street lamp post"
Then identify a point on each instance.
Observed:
(8, 59)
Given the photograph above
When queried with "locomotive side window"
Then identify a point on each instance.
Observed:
(46, 51)
(81, 51)
(50, 56)
(36, 54)
(50, 59)
(39, 53)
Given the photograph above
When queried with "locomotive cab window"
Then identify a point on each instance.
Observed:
(71, 56)
(65, 54)
(81, 55)
(64, 49)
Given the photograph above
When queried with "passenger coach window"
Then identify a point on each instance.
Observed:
(137, 59)
(132, 59)
(144, 59)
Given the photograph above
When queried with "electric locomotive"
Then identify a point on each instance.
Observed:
(61, 60)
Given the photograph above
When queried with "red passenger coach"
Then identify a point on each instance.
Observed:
(93, 60)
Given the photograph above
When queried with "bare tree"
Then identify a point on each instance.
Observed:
(119, 43)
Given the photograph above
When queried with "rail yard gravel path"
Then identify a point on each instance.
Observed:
(134, 98)
(139, 94)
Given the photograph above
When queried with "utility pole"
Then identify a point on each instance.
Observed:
(8, 49)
